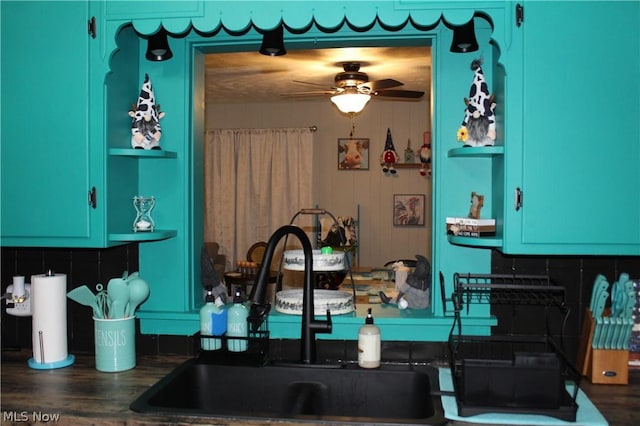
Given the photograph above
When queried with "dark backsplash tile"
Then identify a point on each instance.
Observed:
(82, 266)
(91, 266)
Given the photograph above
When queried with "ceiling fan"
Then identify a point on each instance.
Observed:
(353, 89)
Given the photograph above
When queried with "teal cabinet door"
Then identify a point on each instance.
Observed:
(578, 166)
(45, 124)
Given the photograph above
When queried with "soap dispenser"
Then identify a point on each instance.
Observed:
(369, 344)
(237, 325)
(213, 322)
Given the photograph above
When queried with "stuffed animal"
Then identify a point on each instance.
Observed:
(415, 293)
(479, 124)
(389, 156)
(145, 126)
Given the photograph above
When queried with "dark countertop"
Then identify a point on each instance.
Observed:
(81, 395)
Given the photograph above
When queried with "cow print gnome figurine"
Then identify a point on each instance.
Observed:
(479, 124)
(389, 156)
(145, 126)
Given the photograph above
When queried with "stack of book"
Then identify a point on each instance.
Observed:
(468, 227)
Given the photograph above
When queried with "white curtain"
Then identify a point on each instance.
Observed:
(255, 181)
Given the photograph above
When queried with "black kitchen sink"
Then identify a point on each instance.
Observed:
(391, 394)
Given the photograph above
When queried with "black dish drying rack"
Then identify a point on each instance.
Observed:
(518, 373)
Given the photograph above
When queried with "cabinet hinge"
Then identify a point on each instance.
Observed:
(519, 14)
(91, 27)
(517, 199)
(93, 197)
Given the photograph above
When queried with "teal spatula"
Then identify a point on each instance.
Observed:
(84, 296)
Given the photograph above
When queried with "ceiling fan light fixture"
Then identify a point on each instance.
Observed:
(351, 103)
(273, 42)
(464, 38)
(158, 47)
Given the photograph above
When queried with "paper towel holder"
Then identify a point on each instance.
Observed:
(39, 341)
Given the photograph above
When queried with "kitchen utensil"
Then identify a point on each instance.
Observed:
(104, 303)
(616, 328)
(627, 311)
(600, 304)
(623, 341)
(138, 293)
(118, 292)
(628, 329)
(597, 334)
(624, 277)
(619, 295)
(631, 299)
(605, 342)
(600, 284)
(84, 296)
(622, 301)
(615, 298)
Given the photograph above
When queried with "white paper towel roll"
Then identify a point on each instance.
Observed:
(49, 307)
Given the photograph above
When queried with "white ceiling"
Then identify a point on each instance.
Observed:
(250, 77)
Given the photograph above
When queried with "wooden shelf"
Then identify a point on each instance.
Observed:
(408, 165)
(477, 151)
(159, 234)
(142, 153)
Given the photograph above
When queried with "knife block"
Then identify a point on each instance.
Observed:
(609, 367)
(601, 366)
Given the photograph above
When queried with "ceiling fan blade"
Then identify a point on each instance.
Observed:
(310, 93)
(387, 83)
(411, 94)
(309, 83)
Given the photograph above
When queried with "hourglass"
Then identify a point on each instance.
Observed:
(144, 221)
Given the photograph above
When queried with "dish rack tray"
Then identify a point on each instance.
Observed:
(216, 349)
(513, 372)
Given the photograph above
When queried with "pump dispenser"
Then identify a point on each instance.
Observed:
(369, 344)
(237, 325)
(213, 322)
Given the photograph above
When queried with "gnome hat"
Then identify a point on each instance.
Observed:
(146, 101)
(420, 278)
(388, 145)
(479, 101)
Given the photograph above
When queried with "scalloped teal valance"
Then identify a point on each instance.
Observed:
(208, 16)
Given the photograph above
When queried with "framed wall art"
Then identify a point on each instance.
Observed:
(408, 209)
(353, 154)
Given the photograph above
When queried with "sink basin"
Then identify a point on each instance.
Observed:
(388, 395)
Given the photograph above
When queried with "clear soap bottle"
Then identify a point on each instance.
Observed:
(369, 344)
(237, 325)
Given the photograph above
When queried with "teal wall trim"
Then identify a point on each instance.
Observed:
(410, 326)
(234, 26)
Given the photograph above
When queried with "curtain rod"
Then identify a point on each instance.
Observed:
(313, 128)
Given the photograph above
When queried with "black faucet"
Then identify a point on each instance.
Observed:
(259, 307)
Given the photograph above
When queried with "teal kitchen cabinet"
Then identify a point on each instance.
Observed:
(572, 171)
(569, 174)
(48, 163)
(63, 184)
